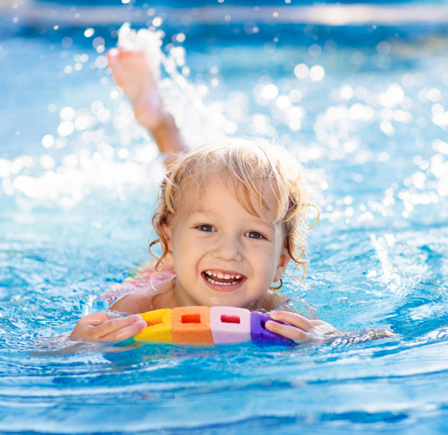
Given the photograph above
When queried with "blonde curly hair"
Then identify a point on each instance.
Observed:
(251, 166)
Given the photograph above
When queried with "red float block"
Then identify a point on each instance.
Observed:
(191, 325)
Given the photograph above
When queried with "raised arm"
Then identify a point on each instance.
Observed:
(132, 72)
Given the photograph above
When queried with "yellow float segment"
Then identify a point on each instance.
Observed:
(159, 327)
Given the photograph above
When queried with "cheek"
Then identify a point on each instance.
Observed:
(280, 244)
(264, 260)
(187, 250)
(267, 260)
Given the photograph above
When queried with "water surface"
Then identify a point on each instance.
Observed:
(78, 180)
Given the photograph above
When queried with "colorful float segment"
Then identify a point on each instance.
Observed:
(159, 327)
(263, 337)
(191, 325)
(230, 325)
(206, 326)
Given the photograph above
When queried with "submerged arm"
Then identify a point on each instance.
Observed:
(304, 331)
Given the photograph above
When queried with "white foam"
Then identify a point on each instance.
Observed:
(143, 40)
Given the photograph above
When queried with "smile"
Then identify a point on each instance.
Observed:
(221, 279)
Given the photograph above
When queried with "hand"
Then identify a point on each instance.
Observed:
(302, 329)
(100, 327)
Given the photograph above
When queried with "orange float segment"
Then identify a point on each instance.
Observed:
(191, 325)
(159, 327)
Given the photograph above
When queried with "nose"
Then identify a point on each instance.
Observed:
(228, 248)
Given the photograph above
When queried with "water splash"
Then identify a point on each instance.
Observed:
(144, 40)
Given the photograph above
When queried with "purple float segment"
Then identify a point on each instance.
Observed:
(260, 335)
(230, 325)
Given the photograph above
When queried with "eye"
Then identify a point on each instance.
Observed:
(206, 228)
(254, 235)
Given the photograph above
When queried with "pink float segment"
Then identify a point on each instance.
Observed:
(230, 325)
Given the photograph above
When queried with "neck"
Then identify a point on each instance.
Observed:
(181, 297)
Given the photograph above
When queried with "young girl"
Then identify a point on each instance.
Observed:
(230, 217)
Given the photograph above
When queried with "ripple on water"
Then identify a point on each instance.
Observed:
(76, 200)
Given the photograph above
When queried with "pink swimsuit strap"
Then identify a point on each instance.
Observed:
(142, 276)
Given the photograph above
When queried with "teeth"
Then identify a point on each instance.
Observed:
(221, 283)
(219, 275)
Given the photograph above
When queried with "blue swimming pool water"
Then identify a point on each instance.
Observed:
(74, 218)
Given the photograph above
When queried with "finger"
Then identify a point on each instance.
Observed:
(292, 318)
(320, 325)
(126, 332)
(295, 334)
(115, 324)
(95, 319)
(319, 322)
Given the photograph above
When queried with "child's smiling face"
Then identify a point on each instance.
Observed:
(222, 254)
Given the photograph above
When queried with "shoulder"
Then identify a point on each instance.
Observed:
(271, 301)
(276, 299)
(138, 289)
(141, 300)
(131, 303)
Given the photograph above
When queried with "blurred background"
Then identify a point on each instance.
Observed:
(356, 90)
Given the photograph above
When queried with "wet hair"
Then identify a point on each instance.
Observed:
(252, 170)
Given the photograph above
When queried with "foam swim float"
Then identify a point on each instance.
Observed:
(194, 325)
(208, 326)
